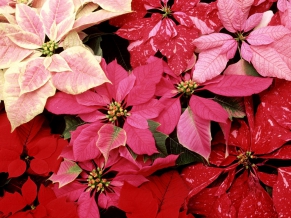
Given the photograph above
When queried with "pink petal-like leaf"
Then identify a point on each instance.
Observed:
(268, 63)
(71, 191)
(141, 141)
(242, 9)
(29, 20)
(124, 87)
(84, 144)
(10, 53)
(140, 94)
(110, 137)
(211, 41)
(253, 21)
(208, 109)
(26, 40)
(33, 76)
(87, 206)
(210, 64)
(94, 18)
(55, 11)
(259, 39)
(137, 120)
(228, 13)
(273, 32)
(67, 173)
(62, 103)
(238, 85)
(194, 133)
(58, 64)
(21, 109)
(86, 72)
(246, 52)
(169, 117)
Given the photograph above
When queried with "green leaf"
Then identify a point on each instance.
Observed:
(250, 70)
(72, 123)
(186, 156)
(159, 137)
(233, 106)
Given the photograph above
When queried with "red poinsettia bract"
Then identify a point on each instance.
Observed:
(31, 146)
(253, 179)
(170, 29)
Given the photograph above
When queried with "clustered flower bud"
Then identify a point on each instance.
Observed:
(167, 11)
(187, 87)
(95, 180)
(115, 110)
(244, 159)
(23, 2)
(49, 48)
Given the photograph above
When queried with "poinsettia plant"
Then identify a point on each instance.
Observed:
(145, 108)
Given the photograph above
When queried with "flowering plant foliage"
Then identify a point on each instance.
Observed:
(145, 108)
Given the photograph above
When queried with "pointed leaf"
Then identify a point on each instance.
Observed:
(29, 20)
(71, 124)
(55, 11)
(87, 206)
(28, 191)
(237, 85)
(160, 138)
(137, 202)
(268, 63)
(141, 141)
(26, 40)
(199, 176)
(58, 64)
(10, 53)
(194, 133)
(169, 117)
(87, 75)
(208, 109)
(233, 106)
(273, 32)
(33, 76)
(124, 87)
(6, 205)
(84, 141)
(210, 64)
(228, 13)
(21, 109)
(165, 188)
(62, 103)
(67, 173)
(211, 41)
(110, 137)
(281, 192)
(185, 155)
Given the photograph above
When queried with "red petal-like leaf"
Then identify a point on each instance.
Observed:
(199, 176)
(170, 190)
(282, 192)
(29, 191)
(137, 202)
(11, 203)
